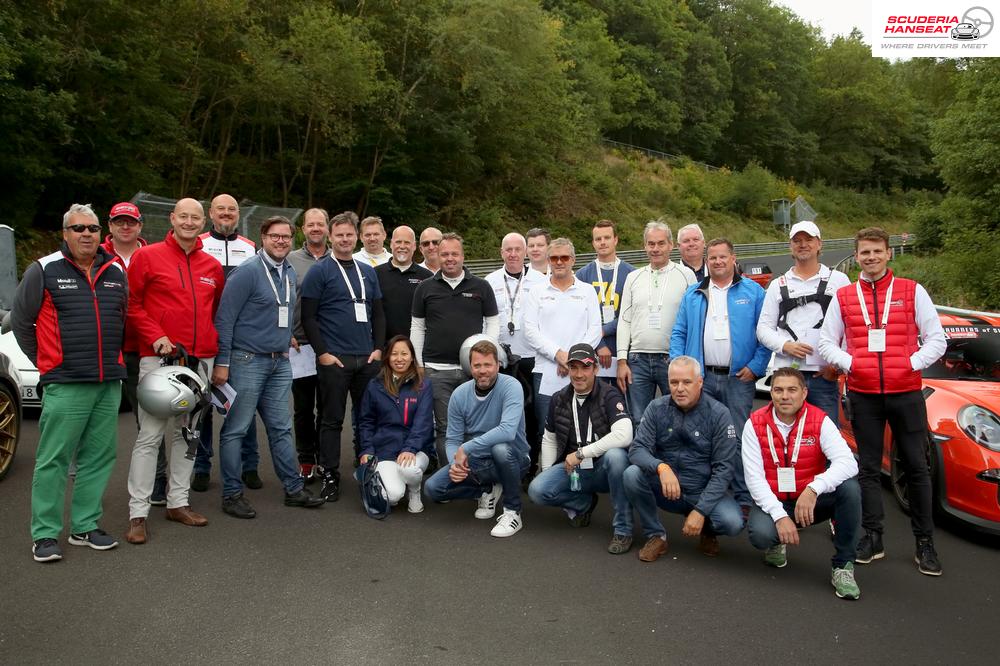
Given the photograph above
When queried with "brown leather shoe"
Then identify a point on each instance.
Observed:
(709, 545)
(185, 516)
(655, 547)
(136, 531)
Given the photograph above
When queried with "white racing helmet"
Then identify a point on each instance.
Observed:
(466, 349)
(171, 391)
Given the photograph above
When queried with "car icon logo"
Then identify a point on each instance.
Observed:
(965, 31)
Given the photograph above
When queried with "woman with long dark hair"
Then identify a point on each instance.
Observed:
(396, 423)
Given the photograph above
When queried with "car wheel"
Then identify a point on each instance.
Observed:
(10, 426)
(898, 477)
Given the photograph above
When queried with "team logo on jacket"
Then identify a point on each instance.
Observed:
(731, 431)
(742, 301)
(809, 441)
(204, 279)
(112, 285)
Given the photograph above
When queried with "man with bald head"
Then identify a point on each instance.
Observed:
(511, 284)
(174, 288)
(230, 249)
(430, 238)
(398, 279)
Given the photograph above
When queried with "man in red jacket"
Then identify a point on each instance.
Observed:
(175, 290)
(891, 331)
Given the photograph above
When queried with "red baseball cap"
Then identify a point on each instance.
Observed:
(125, 209)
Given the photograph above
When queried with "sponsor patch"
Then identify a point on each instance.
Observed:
(204, 279)
(731, 431)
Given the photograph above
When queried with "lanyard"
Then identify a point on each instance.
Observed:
(661, 289)
(513, 299)
(580, 441)
(885, 310)
(716, 312)
(608, 298)
(361, 281)
(270, 282)
(798, 441)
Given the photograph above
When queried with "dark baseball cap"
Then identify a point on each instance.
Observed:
(583, 353)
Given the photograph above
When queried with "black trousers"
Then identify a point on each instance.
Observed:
(336, 383)
(308, 405)
(906, 414)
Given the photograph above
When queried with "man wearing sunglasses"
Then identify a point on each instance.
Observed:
(430, 238)
(69, 319)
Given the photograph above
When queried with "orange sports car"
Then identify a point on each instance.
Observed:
(962, 391)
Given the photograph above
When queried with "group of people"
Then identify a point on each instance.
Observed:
(565, 367)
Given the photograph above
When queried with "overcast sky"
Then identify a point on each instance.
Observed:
(833, 18)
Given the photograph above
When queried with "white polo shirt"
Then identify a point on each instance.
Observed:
(511, 294)
(718, 352)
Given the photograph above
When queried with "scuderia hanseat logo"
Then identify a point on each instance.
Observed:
(933, 29)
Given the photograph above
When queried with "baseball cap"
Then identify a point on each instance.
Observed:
(125, 209)
(806, 226)
(583, 353)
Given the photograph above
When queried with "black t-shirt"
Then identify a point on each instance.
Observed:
(452, 315)
(398, 288)
(614, 408)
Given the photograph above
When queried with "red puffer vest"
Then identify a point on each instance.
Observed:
(888, 371)
(811, 459)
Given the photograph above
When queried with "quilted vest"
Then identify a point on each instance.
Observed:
(811, 460)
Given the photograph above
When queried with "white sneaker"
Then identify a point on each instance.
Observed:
(508, 524)
(414, 502)
(488, 503)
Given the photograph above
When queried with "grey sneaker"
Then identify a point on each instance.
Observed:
(582, 519)
(843, 582)
(96, 539)
(776, 556)
(620, 544)
(238, 507)
(46, 550)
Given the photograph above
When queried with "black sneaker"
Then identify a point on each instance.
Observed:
(96, 539)
(159, 496)
(304, 499)
(199, 482)
(251, 479)
(238, 506)
(926, 558)
(582, 519)
(869, 548)
(46, 550)
(330, 492)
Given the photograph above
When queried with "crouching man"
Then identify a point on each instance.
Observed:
(789, 475)
(585, 449)
(485, 443)
(683, 460)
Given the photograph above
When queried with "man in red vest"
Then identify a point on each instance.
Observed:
(882, 331)
(797, 464)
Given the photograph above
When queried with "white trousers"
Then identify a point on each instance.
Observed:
(142, 470)
(397, 479)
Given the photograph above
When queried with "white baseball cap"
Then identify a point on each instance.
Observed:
(806, 226)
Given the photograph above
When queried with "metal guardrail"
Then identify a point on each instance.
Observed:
(482, 267)
(900, 242)
(659, 154)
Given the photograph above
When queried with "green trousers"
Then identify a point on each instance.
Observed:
(79, 419)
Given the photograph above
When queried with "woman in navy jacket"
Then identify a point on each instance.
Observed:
(396, 423)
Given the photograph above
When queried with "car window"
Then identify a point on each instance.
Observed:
(973, 354)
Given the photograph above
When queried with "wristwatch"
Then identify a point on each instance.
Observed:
(579, 454)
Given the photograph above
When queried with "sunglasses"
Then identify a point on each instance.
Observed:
(429, 242)
(125, 222)
(561, 259)
(80, 228)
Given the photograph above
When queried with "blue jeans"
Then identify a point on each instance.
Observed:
(843, 505)
(263, 384)
(644, 493)
(738, 396)
(541, 416)
(551, 488)
(203, 458)
(649, 372)
(823, 393)
(504, 466)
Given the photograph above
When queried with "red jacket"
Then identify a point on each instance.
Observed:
(174, 294)
(811, 460)
(130, 344)
(889, 371)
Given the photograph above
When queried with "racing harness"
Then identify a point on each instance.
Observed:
(787, 303)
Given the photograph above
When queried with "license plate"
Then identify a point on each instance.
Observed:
(28, 392)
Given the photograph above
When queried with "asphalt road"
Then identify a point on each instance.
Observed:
(333, 586)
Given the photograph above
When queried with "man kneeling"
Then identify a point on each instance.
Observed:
(683, 460)
(587, 419)
(789, 475)
(485, 443)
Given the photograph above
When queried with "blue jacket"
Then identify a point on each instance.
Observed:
(744, 299)
(700, 446)
(389, 425)
(247, 317)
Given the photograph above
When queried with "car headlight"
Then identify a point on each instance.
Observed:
(981, 425)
